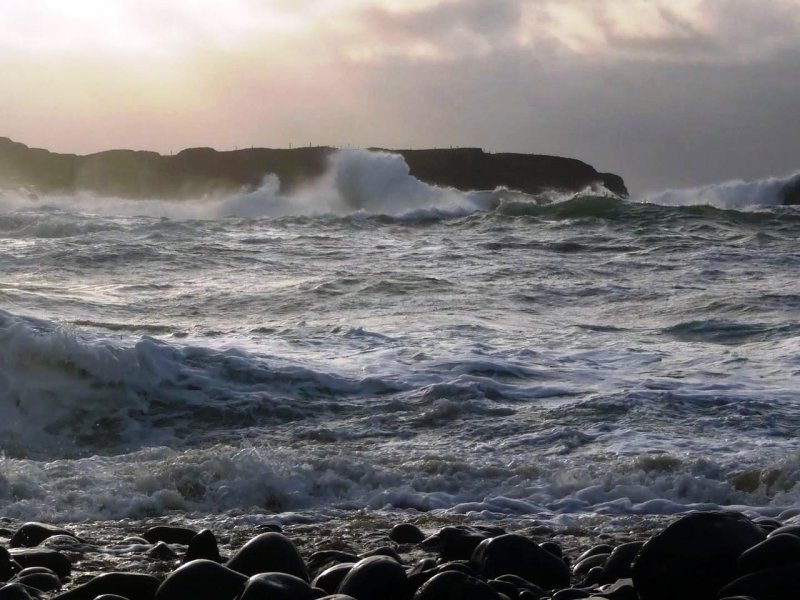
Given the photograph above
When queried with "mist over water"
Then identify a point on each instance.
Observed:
(374, 341)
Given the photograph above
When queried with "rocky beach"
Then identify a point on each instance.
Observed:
(701, 556)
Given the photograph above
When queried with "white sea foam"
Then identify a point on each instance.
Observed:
(736, 194)
(356, 181)
(486, 366)
(265, 478)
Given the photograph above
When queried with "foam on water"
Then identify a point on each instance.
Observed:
(736, 195)
(371, 341)
(355, 181)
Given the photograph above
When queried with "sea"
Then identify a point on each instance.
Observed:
(369, 344)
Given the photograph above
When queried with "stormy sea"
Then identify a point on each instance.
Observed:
(374, 349)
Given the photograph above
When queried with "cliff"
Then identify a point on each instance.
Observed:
(203, 171)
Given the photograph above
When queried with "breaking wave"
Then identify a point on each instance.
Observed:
(735, 195)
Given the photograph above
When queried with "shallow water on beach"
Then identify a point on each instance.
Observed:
(375, 344)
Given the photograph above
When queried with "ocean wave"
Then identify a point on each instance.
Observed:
(733, 195)
(718, 331)
(378, 186)
(262, 478)
(68, 392)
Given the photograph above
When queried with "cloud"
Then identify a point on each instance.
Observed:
(664, 92)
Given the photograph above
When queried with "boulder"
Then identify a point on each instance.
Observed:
(781, 583)
(775, 551)
(276, 586)
(376, 578)
(201, 580)
(267, 553)
(517, 555)
(203, 545)
(41, 557)
(169, 535)
(406, 533)
(454, 585)
(694, 557)
(32, 534)
(133, 586)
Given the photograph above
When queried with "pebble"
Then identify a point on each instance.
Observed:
(42, 557)
(203, 545)
(517, 555)
(269, 552)
(778, 550)
(700, 556)
(30, 535)
(169, 535)
(201, 580)
(133, 586)
(276, 586)
(406, 533)
(375, 578)
(331, 578)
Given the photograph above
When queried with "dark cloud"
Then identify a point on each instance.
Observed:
(659, 124)
(666, 94)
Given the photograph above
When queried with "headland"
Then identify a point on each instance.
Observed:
(204, 171)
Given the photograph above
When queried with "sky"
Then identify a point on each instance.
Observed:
(669, 93)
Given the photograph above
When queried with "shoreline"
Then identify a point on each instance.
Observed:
(104, 547)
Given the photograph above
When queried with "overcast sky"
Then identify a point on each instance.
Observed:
(665, 93)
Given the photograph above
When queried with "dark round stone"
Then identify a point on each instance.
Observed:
(44, 582)
(162, 551)
(276, 586)
(782, 583)
(8, 567)
(110, 597)
(376, 578)
(32, 534)
(517, 555)
(169, 535)
(406, 533)
(503, 587)
(622, 589)
(424, 564)
(203, 545)
(694, 557)
(571, 594)
(620, 561)
(384, 551)
(201, 580)
(767, 524)
(337, 597)
(15, 591)
(319, 561)
(455, 542)
(790, 529)
(269, 553)
(32, 570)
(595, 560)
(522, 584)
(599, 549)
(133, 586)
(331, 578)
(454, 585)
(775, 551)
(43, 557)
(552, 548)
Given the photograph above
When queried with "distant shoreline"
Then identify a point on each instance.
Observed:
(204, 171)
